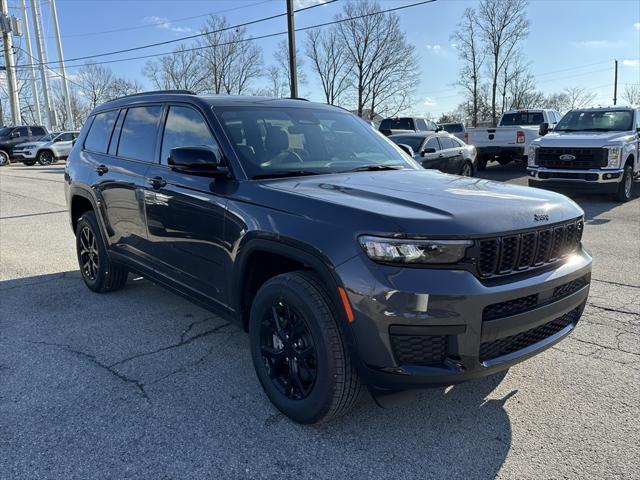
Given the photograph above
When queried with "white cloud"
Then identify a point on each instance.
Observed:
(164, 23)
(435, 48)
(636, 25)
(598, 43)
(298, 4)
(429, 102)
(631, 63)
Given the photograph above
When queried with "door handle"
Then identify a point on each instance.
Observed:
(101, 169)
(441, 155)
(156, 182)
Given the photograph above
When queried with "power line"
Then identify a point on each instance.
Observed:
(188, 37)
(260, 37)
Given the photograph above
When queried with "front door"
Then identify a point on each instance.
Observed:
(433, 159)
(185, 213)
(452, 155)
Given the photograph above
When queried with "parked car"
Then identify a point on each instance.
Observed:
(510, 140)
(389, 126)
(590, 149)
(346, 262)
(11, 136)
(455, 128)
(45, 150)
(439, 151)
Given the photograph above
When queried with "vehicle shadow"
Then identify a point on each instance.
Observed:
(502, 173)
(178, 382)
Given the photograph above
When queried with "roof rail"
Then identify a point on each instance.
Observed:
(299, 98)
(153, 92)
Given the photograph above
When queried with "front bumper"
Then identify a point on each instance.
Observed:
(24, 154)
(596, 180)
(401, 311)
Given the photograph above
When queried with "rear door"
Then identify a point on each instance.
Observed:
(185, 212)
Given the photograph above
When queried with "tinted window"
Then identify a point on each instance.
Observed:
(38, 131)
(23, 131)
(66, 137)
(421, 124)
(413, 141)
(432, 143)
(184, 127)
(458, 142)
(100, 133)
(453, 127)
(139, 130)
(397, 124)
(522, 118)
(446, 142)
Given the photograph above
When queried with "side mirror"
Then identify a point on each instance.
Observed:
(55, 140)
(544, 129)
(406, 149)
(196, 160)
(427, 151)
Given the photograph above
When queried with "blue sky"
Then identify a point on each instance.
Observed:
(572, 43)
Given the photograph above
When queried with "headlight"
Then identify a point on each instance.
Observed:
(531, 157)
(613, 157)
(410, 251)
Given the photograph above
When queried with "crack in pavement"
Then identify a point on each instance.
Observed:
(606, 347)
(610, 309)
(615, 283)
(93, 359)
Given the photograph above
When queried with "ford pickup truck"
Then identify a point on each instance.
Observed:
(594, 150)
(511, 138)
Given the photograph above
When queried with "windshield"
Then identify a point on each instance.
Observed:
(412, 140)
(453, 127)
(397, 124)
(5, 131)
(596, 120)
(521, 118)
(306, 141)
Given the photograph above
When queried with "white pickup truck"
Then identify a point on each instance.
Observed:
(590, 149)
(511, 138)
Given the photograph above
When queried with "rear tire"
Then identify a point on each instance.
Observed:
(99, 273)
(625, 188)
(298, 349)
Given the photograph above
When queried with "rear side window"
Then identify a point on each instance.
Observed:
(139, 133)
(98, 137)
(421, 124)
(38, 131)
(446, 142)
(184, 127)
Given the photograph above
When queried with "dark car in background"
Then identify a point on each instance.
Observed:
(346, 262)
(440, 151)
(12, 136)
(455, 128)
(389, 126)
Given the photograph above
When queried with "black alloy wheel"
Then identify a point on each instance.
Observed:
(88, 254)
(45, 158)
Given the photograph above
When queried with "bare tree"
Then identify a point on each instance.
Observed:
(231, 60)
(522, 92)
(503, 25)
(384, 64)
(328, 60)
(631, 93)
(79, 108)
(181, 70)
(95, 82)
(578, 97)
(281, 57)
(557, 101)
(473, 55)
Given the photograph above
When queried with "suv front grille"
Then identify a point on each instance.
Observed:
(507, 254)
(507, 345)
(584, 157)
(419, 349)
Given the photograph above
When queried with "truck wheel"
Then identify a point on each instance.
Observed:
(482, 163)
(99, 273)
(4, 158)
(298, 349)
(45, 157)
(625, 188)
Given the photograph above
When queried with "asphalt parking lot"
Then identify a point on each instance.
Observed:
(142, 384)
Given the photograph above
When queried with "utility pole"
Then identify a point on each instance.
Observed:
(63, 74)
(37, 30)
(292, 50)
(32, 69)
(12, 87)
(615, 84)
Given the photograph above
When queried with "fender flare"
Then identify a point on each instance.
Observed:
(78, 191)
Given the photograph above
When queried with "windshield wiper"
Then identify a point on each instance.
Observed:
(373, 168)
(285, 173)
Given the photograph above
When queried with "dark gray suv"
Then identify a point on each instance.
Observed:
(346, 262)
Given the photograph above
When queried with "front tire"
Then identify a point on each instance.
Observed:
(4, 158)
(99, 273)
(46, 158)
(298, 349)
(625, 188)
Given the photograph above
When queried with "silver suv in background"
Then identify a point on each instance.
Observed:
(47, 149)
(591, 149)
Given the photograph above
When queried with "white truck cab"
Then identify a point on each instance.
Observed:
(590, 149)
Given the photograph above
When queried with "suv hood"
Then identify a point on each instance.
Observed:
(31, 144)
(422, 202)
(582, 139)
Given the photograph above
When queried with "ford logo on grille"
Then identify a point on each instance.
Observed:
(567, 157)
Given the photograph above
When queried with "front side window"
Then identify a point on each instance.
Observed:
(100, 133)
(139, 130)
(23, 131)
(596, 121)
(289, 141)
(184, 127)
(65, 137)
(433, 143)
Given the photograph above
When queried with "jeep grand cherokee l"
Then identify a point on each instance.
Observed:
(346, 262)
